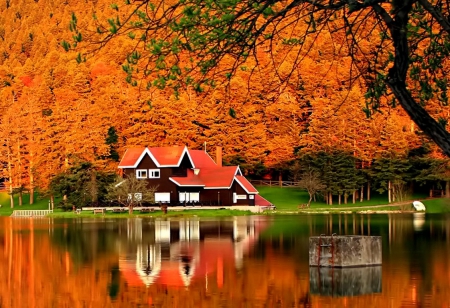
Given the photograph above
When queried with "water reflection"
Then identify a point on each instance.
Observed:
(180, 251)
(418, 221)
(236, 262)
(345, 281)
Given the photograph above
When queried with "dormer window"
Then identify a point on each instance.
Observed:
(141, 174)
(154, 174)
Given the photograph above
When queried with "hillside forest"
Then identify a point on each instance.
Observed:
(57, 112)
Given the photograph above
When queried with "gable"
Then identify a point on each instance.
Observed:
(201, 159)
(162, 157)
(245, 184)
(130, 157)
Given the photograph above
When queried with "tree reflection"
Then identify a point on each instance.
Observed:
(41, 266)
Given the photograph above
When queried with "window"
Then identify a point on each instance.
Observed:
(153, 174)
(162, 197)
(241, 197)
(137, 197)
(141, 174)
(189, 196)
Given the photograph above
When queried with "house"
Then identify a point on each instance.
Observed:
(186, 176)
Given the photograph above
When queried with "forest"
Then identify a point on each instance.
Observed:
(58, 111)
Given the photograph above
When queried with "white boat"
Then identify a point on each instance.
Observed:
(419, 206)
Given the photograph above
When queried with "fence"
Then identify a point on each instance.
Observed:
(31, 213)
(274, 183)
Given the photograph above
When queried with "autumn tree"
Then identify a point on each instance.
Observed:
(397, 47)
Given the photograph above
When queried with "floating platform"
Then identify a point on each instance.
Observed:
(344, 251)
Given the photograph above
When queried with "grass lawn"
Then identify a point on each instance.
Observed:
(287, 199)
(6, 210)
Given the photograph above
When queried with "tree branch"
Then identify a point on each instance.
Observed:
(440, 18)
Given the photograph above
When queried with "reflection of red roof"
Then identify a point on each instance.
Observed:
(128, 268)
(201, 159)
(248, 187)
(130, 157)
(210, 256)
(260, 201)
(170, 274)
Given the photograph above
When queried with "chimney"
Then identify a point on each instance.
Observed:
(219, 156)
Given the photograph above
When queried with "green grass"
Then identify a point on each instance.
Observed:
(441, 205)
(287, 199)
(6, 210)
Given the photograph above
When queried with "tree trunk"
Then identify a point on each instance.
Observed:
(52, 202)
(345, 198)
(368, 191)
(31, 176)
(330, 198)
(389, 192)
(361, 197)
(354, 196)
(10, 175)
(19, 177)
(280, 179)
(447, 189)
(339, 199)
(396, 79)
(310, 199)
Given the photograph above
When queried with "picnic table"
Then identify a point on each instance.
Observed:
(99, 211)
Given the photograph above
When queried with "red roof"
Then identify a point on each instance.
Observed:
(201, 159)
(218, 177)
(190, 180)
(260, 201)
(168, 156)
(130, 157)
(249, 188)
(208, 177)
(163, 156)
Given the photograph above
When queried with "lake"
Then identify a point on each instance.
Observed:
(247, 261)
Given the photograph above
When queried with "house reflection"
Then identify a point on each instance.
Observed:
(176, 252)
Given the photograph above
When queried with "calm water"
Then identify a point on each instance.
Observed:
(234, 262)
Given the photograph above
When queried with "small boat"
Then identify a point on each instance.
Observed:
(419, 206)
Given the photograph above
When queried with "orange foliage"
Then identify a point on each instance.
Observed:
(61, 111)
